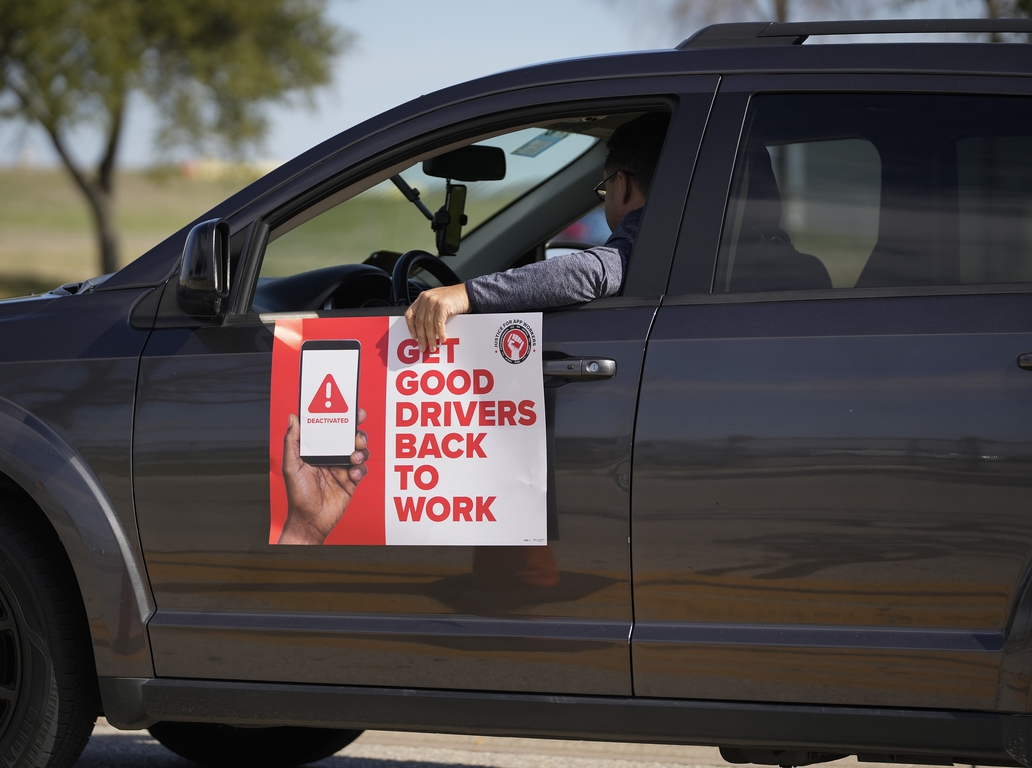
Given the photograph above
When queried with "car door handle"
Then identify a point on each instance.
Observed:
(1024, 361)
(581, 368)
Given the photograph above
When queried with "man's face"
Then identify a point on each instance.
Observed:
(622, 197)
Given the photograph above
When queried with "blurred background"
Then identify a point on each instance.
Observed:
(123, 120)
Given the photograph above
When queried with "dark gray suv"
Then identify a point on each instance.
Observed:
(796, 523)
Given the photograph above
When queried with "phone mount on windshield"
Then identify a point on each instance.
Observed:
(472, 163)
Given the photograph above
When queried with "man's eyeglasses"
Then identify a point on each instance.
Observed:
(600, 189)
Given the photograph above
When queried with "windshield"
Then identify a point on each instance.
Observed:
(381, 219)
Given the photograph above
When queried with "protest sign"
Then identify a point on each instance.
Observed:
(456, 439)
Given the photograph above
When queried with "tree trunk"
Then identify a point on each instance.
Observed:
(102, 207)
(107, 236)
(99, 192)
(992, 11)
(781, 10)
(101, 203)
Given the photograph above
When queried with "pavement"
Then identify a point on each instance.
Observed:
(111, 748)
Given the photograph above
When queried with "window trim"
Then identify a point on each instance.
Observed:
(630, 96)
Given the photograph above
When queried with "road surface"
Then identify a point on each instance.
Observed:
(111, 748)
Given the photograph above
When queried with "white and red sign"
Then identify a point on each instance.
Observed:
(456, 439)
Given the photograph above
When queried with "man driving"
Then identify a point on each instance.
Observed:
(594, 273)
(317, 496)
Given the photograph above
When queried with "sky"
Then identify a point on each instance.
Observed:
(402, 49)
(405, 48)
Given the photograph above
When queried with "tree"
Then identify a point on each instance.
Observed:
(996, 9)
(700, 12)
(989, 9)
(210, 67)
(1002, 9)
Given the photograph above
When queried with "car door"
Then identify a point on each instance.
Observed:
(832, 455)
(232, 606)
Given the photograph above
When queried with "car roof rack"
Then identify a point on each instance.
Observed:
(763, 33)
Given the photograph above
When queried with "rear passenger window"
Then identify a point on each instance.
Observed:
(994, 175)
(879, 190)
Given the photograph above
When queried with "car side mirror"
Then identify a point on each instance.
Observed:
(472, 163)
(204, 273)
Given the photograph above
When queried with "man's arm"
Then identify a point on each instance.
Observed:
(558, 282)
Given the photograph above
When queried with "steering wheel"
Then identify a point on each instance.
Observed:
(424, 259)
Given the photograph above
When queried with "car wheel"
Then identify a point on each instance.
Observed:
(48, 683)
(227, 746)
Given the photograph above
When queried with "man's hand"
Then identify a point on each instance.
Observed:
(430, 311)
(317, 496)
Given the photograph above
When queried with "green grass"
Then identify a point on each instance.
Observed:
(350, 232)
(47, 236)
(46, 231)
(24, 285)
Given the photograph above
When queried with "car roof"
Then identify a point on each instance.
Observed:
(723, 49)
(768, 33)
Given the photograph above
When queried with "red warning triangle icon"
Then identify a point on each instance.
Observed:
(328, 398)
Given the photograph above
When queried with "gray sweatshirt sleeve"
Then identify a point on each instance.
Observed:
(558, 282)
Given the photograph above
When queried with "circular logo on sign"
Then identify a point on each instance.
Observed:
(514, 341)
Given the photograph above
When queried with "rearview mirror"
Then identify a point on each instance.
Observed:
(472, 163)
(204, 272)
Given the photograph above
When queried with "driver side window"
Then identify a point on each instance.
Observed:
(372, 222)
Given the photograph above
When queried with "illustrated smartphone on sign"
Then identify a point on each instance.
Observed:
(328, 408)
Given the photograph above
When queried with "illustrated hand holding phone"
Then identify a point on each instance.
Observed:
(320, 477)
(317, 496)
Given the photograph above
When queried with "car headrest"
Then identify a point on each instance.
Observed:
(762, 212)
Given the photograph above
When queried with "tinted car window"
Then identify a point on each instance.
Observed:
(994, 175)
(870, 190)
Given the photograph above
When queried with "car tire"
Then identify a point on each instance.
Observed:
(227, 746)
(49, 698)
